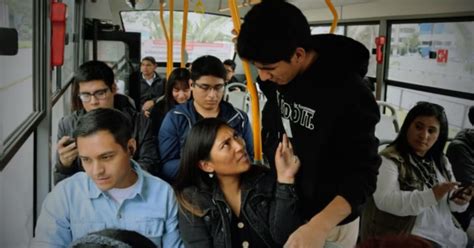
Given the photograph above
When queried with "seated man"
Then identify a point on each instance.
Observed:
(114, 192)
(95, 87)
(151, 84)
(207, 86)
(461, 155)
(229, 66)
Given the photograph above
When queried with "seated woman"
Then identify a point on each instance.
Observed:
(414, 183)
(177, 91)
(227, 202)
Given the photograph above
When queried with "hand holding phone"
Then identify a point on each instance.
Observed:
(465, 188)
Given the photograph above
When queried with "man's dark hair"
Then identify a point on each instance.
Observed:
(207, 65)
(113, 238)
(102, 119)
(230, 63)
(150, 59)
(94, 70)
(271, 32)
(471, 115)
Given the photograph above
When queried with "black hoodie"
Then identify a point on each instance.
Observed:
(332, 116)
(461, 155)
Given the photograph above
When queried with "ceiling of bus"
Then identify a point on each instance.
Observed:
(314, 10)
(109, 9)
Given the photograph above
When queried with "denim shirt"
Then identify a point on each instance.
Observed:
(271, 209)
(76, 207)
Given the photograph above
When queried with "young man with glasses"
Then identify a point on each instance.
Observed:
(208, 75)
(95, 87)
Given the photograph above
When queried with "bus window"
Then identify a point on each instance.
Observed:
(206, 34)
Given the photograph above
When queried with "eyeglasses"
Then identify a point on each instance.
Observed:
(207, 88)
(98, 94)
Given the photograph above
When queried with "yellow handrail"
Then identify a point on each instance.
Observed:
(257, 139)
(334, 14)
(169, 64)
(183, 32)
(163, 27)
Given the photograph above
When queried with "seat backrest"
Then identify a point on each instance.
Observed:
(387, 129)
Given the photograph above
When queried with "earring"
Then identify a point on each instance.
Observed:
(211, 175)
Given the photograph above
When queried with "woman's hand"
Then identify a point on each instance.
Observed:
(443, 188)
(286, 162)
(464, 196)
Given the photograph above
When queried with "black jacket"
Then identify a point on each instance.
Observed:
(146, 154)
(270, 207)
(152, 92)
(461, 155)
(332, 116)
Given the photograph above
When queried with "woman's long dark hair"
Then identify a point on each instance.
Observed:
(197, 147)
(436, 151)
(179, 78)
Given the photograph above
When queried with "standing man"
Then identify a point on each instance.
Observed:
(151, 85)
(114, 192)
(315, 87)
(95, 88)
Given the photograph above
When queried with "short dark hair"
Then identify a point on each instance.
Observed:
(102, 119)
(113, 238)
(271, 32)
(95, 70)
(89, 71)
(207, 65)
(424, 109)
(230, 63)
(150, 59)
(471, 115)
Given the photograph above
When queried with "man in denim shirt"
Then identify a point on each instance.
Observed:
(114, 192)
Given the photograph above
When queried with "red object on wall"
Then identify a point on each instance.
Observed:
(379, 42)
(442, 56)
(58, 32)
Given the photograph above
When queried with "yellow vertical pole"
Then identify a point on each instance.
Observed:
(334, 14)
(163, 27)
(184, 31)
(169, 65)
(257, 139)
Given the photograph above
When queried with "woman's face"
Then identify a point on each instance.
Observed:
(181, 92)
(228, 154)
(422, 134)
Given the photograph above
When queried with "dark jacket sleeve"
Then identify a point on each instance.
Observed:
(248, 136)
(359, 146)
(146, 154)
(461, 161)
(284, 217)
(170, 146)
(193, 230)
(61, 172)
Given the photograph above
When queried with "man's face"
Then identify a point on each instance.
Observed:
(98, 94)
(105, 161)
(281, 72)
(208, 92)
(230, 72)
(147, 68)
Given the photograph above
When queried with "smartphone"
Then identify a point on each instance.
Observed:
(464, 188)
(68, 142)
